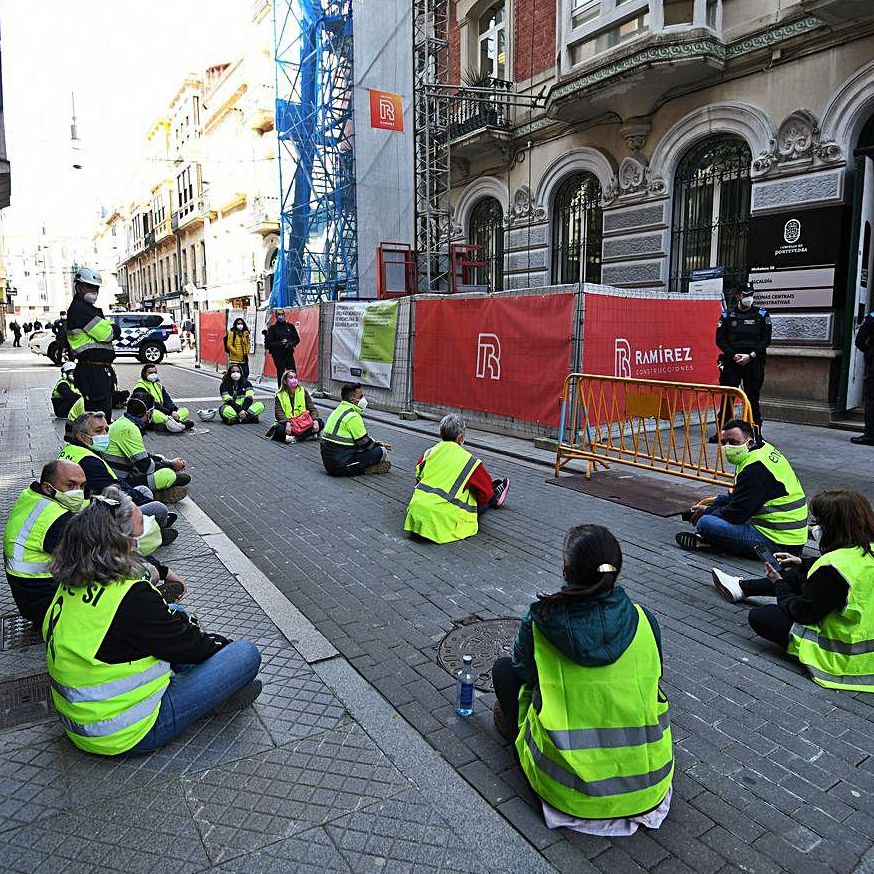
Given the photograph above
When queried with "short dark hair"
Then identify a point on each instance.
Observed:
(146, 368)
(136, 406)
(50, 472)
(349, 389)
(742, 425)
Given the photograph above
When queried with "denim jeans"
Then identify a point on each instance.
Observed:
(194, 690)
(736, 538)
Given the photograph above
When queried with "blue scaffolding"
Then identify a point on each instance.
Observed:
(318, 258)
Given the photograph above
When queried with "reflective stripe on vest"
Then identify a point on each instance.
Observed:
(15, 562)
(609, 786)
(783, 519)
(838, 651)
(331, 434)
(74, 452)
(450, 495)
(595, 742)
(105, 691)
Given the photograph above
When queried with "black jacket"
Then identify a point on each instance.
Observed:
(753, 488)
(743, 332)
(81, 313)
(865, 339)
(97, 478)
(809, 599)
(144, 626)
(281, 337)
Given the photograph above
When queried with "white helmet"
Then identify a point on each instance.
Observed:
(88, 276)
(207, 415)
(68, 367)
(173, 426)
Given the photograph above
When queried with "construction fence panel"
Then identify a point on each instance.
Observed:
(306, 354)
(500, 359)
(651, 424)
(397, 395)
(211, 329)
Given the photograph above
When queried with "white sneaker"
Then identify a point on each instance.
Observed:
(727, 586)
(290, 439)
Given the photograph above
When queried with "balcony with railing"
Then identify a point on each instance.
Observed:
(480, 116)
(621, 56)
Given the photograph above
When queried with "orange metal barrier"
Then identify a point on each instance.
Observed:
(660, 426)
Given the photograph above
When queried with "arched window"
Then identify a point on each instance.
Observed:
(711, 211)
(493, 42)
(487, 230)
(576, 230)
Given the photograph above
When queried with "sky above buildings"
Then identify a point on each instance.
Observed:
(124, 61)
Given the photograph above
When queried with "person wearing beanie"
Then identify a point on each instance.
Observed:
(128, 457)
(580, 698)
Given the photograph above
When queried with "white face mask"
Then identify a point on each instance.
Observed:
(362, 403)
(152, 377)
(746, 301)
(90, 297)
(236, 377)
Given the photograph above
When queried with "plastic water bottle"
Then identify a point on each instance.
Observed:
(464, 688)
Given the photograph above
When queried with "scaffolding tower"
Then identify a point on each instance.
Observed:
(431, 142)
(313, 51)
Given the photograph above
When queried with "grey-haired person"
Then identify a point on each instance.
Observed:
(128, 673)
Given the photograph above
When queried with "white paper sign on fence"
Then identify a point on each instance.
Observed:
(363, 342)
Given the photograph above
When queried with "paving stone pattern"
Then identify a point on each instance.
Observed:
(773, 772)
(286, 785)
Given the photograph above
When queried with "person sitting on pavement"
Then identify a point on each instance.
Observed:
(580, 698)
(293, 401)
(452, 488)
(34, 528)
(89, 439)
(166, 415)
(128, 457)
(239, 406)
(65, 394)
(347, 449)
(128, 675)
(824, 615)
(767, 504)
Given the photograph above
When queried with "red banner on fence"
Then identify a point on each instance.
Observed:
(306, 353)
(507, 356)
(211, 330)
(669, 339)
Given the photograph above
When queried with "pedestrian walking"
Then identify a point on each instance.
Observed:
(280, 340)
(743, 335)
(865, 344)
(238, 345)
(90, 335)
(16, 331)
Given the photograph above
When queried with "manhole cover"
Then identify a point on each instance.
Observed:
(18, 632)
(25, 700)
(485, 640)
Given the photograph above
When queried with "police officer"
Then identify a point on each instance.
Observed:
(743, 335)
(865, 344)
(90, 335)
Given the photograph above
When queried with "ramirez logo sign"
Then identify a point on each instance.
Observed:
(386, 111)
(651, 363)
(488, 356)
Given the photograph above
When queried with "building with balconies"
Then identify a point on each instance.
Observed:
(674, 136)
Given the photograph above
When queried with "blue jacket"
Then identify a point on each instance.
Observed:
(590, 633)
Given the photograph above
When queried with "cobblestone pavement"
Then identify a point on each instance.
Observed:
(773, 772)
(316, 777)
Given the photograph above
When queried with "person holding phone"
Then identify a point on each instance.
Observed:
(824, 613)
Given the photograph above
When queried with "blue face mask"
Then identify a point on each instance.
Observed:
(100, 442)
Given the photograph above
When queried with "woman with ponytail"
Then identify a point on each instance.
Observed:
(580, 697)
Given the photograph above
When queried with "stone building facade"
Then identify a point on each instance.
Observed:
(656, 139)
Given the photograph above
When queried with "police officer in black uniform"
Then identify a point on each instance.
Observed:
(743, 335)
(865, 344)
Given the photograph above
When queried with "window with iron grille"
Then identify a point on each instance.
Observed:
(711, 211)
(487, 230)
(577, 221)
